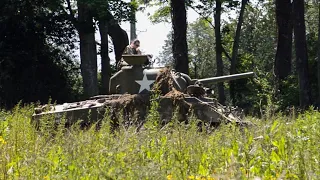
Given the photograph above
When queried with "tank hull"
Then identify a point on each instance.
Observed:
(132, 109)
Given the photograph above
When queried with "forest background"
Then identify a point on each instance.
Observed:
(278, 40)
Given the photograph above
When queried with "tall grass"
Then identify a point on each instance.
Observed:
(279, 147)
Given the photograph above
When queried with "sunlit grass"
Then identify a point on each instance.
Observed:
(279, 147)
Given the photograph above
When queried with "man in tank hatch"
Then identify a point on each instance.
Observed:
(133, 49)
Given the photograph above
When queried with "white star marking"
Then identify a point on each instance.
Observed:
(144, 83)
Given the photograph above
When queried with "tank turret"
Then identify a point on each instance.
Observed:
(135, 77)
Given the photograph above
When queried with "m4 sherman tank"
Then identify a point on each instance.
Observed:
(136, 86)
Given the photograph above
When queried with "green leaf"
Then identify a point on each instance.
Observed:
(161, 15)
(275, 157)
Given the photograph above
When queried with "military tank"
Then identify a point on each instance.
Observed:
(136, 86)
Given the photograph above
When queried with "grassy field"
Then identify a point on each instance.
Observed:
(275, 148)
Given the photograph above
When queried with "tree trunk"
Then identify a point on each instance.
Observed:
(195, 71)
(235, 48)
(105, 60)
(217, 23)
(118, 35)
(318, 62)
(301, 53)
(133, 29)
(284, 49)
(88, 51)
(179, 44)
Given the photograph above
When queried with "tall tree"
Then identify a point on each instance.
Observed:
(88, 50)
(235, 48)
(108, 26)
(217, 23)
(105, 59)
(318, 58)
(100, 11)
(179, 45)
(115, 11)
(301, 53)
(166, 56)
(284, 49)
(36, 43)
(201, 53)
(200, 37)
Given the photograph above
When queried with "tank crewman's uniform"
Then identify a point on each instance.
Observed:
(129, 51)
(132, 51)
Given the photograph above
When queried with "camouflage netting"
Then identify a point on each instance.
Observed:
(135, 107)
(131, 108)
(164, 81)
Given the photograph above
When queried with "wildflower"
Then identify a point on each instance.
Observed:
(190, 177)
(169, 177)
(202, 178)
(2, 141)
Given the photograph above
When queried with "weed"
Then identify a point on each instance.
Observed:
(276, 148)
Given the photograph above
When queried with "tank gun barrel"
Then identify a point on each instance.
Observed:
(225, 78)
